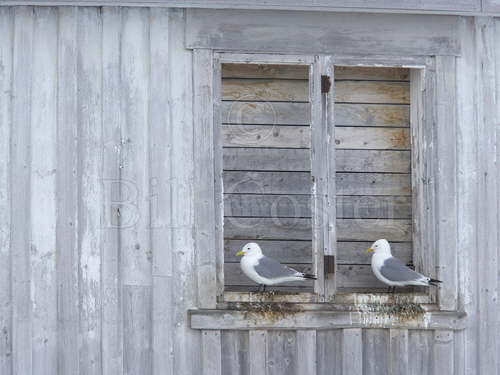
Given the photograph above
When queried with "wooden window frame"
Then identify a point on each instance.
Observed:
(433, 125)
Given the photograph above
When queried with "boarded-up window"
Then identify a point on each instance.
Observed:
(266, 167)
(373, 162)
(266, 118)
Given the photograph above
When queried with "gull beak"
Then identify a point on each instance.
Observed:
(239, 253)
(370, 250)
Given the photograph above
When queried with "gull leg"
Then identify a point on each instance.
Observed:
(393, 289)
(389, 289)
(264, 288)
(258, 289)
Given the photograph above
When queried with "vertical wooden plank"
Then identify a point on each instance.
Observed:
(43, 191)
(467, 176)
(6, 50)
(281, 352)
(329, 351)
(112, 318)
(90, 188)
(161, 202)
(135, 237)
(211, 352)
(257, 352)
(487, 233)
(204, 193)
(186, 341)
(21, 194)
(446, 181)
(218, 173)
(352, 352)
(306, 352)
(443, 360)
(398, 351)
(234, 352)
(67, 194)
(376, 351)
(420, 346)
(136, 329)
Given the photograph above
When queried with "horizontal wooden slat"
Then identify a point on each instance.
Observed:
(372, 138)
(267, 228)
(267, 182)
(355, 252)
(302, 72)
(261, 205)
(253, 159)
(300, 183)
(266, 159)
(373, 229)
(280, 113)
(233, 275)
(266, 136)
(372, 92)
(271, 90)
(371, 73)
(284, 251)
(372, 114)
(297, 91)
(373, 161)
(301, 251)
(376, 207)
(286, 290)
(265, 113)
(300, 229)
(265, 71)
(373, 184)
(300, 137)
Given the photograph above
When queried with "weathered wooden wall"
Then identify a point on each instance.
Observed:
(97, 260)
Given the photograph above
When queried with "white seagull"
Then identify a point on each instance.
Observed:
(267, 271)
(392, 271)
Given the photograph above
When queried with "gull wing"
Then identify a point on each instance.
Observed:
(395, 270)
(272, 269)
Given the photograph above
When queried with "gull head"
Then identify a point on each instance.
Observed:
(251, 249)
(380, 246)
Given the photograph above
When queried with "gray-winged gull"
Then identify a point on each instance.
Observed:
(267, 271)
(392, 271)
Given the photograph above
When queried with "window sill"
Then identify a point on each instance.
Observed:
(297, 318)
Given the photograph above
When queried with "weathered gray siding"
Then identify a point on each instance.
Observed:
(97, 259)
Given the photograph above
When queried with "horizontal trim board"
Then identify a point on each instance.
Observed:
(236, 320)
(314, 32)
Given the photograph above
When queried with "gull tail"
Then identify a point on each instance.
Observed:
(309, 276)
(434, 282)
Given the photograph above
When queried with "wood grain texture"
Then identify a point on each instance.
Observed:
(398, 341)
(372, 138)
(281, 352)
(269, 90)
(90, 188)
(43, 191)
(359, 114)
(306, 352)
(211, 361)
(204, 176)
(372, 92)
(420, 347)
(235, 352)
(160, 148)
(247, 112)
(257, 352)
(112, 324)
(22, 71)
(266, 136)
(442, 359)
(352, 351)
(329, 351)
(67, 263)
(6, 61)
(376, 351)
(340, 33)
